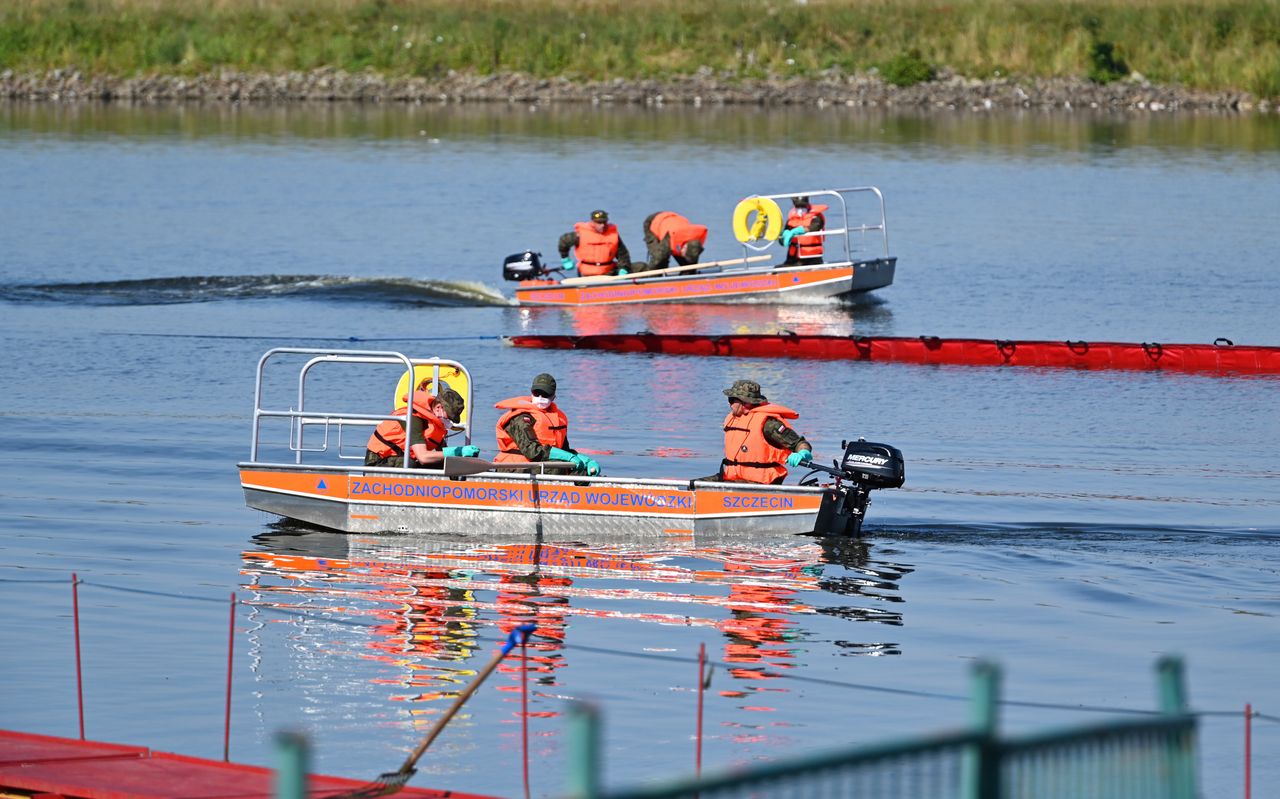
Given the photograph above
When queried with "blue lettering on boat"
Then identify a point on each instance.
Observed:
(404, 490)
(759, 502)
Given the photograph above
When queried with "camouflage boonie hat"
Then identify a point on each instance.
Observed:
(545, 383)
(453, 404)
(746, 391)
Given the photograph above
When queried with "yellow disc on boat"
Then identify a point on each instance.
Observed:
(450, 377)
(757, 218)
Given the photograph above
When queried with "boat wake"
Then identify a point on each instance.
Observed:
(331, 288)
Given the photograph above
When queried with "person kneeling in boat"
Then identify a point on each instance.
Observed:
(668, 235)
(432, 416)
(758, 444)
(535, 429)
(803, 249)
(597, 246)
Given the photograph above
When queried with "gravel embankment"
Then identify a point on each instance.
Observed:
(859, 91)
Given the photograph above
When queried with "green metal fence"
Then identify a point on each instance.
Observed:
(1147, 758)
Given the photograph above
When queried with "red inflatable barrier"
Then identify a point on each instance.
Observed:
(1220, 357)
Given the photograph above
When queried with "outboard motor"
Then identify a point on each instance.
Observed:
(525, 265)
(863, 467)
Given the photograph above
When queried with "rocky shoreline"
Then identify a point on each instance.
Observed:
(855, 91)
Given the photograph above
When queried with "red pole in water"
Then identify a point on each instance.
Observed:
(231, 647)
(524, 710)
(702, 658)
(75, 616)
(1248, 750)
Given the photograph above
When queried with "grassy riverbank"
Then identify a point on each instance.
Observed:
(1213, 45)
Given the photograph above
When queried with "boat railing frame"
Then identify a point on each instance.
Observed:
(300, 417)
(845, 232)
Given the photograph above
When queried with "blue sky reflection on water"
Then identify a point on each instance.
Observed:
(1072, 525)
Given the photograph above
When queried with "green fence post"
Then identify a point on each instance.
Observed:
(981, 765)
(1171, 686)
(584, 751)
(291, 766)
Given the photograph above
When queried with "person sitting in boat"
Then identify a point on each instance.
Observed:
(535, 429)
(758, 444)
(597, 246)
(669, 235)
(432, 416)
(804, 218)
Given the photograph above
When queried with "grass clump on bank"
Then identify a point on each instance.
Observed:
(1204, 44)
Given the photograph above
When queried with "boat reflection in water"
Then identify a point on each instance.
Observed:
(432, 597)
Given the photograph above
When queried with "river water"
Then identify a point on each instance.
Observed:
(1072, 526)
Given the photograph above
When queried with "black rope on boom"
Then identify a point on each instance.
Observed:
(1223, 342)
(1077, 347)
(1154, 350)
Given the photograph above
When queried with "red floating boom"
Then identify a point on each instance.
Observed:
(1220, 357)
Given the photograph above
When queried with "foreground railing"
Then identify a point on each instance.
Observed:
(1150, 758)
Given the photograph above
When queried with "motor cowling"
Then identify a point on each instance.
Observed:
(873, 465)
(863, 467)
(525, 265)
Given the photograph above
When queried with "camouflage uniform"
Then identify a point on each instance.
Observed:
(453, 405)
(659, 250)
(819, 222)
(520, 428)
(775, 431)
(570, 240)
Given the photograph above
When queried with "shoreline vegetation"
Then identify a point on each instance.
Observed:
(1148, 55)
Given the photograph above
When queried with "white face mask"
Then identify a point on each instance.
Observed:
(541, 403)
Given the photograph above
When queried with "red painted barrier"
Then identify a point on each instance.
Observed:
(1221, 357)
(31, 764)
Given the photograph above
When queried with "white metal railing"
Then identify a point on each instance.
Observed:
(301, 417)
(838, 197)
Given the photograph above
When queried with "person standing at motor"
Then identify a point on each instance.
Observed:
(804, 219)
(669, 235)
(597, 246)
(758, 444)
(428, 427)
(534, 429)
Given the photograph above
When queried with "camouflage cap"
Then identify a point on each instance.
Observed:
(746, 391)
(800, 202)
(544, 383)
(599, 215)
(453, 404)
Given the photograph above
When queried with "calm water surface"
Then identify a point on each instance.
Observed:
(1073, 526)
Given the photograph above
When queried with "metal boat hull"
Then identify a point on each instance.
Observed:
(358, 500)
(768, 285)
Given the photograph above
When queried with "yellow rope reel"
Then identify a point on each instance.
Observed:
(757, 219)
(450, 377)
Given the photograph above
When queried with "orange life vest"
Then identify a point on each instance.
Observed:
(806, 246)
(680, 229)
(597, 253)
(550, 426)
(748, 455)
(388, 437)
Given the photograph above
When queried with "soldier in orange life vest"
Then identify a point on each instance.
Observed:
(535, 429)
(427, 428)
(758, 444)
(668, 235)
(597, 246)
(804, 218)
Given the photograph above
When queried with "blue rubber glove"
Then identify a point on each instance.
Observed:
(557, 454)
(468, 451)
(799, 458)
(586, 465)
(622, 271)
(791, 233)
(566, 262)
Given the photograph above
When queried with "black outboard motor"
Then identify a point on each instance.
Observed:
(864, 467)
(525, 265)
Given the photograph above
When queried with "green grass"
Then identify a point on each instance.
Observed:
(1206, 44)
